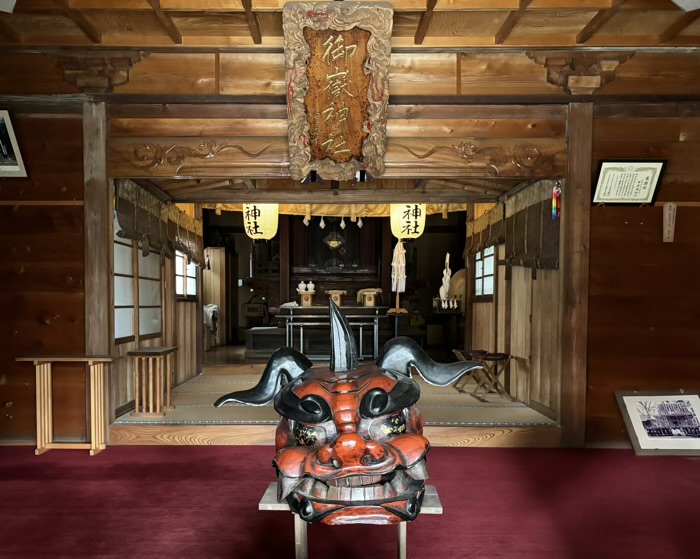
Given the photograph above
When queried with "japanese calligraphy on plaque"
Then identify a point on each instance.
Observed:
(631, 182)
(337, 66)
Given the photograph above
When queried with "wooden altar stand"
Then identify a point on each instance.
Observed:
(44, 401)
(431, 505)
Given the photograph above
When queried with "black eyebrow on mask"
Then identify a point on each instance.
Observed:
(378, 402)
(309, 409)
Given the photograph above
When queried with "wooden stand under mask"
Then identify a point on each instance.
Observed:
(431, 505)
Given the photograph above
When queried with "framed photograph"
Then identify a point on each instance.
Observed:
(662, 422)
(628, 182)
(11, 164)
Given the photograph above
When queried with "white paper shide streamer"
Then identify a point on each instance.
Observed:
(398, 268)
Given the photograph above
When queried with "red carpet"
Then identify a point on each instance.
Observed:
(201, 502)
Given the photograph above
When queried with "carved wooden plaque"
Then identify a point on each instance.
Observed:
(337, 66)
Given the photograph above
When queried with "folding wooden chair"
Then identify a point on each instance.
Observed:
(495, 364)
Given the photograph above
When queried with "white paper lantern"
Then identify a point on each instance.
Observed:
(407, 220)
(260, 220)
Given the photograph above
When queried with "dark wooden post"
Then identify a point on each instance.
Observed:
(97, 241)
(574, 252)
(387, 242)
(284, 224)
(98, 229)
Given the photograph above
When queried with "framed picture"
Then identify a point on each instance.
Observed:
(662, 422)
(11, 164)
(628, 182)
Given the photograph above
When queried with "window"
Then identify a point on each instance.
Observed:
(185, 277)
(123, 288)
(137, 291)
(149, 294)
(483, 273)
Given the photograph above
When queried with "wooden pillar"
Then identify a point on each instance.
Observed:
(284, 258)
(469, 288)
(199, 328)
(98, 239)
(387, 241)
(574, 253)
(98, 230)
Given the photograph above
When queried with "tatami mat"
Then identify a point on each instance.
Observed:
(194, 399)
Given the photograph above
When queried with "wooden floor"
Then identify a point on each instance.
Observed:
(452, 418)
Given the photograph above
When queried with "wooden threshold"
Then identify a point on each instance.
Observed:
(231, 435)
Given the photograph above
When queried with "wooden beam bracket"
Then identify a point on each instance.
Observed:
(253, 23)
(579, 73)
(166, 21)
(98, 72)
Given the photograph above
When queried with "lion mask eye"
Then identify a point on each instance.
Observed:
(309, 435)
(387, 427)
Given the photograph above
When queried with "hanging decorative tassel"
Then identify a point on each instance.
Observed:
(556, 201)
(359, 223)
(342, 222)
(322, 225)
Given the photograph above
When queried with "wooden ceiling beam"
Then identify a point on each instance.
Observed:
(510, 22)
(166, 21)
(342, 196)
(83, 23)
(195, 185)
(253, 23)
(9, 32)
(424, 22)
(597, 21)
(673, 30)
(455, 185)
(151, 187)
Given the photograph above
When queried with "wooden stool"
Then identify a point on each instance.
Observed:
(152, 380)
(431, 505)
(494, 366)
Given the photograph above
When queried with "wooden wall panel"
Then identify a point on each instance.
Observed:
(31, 73)
(521, 310)
(545, 366)
(172, 74)
(53, 180)
(644, 321)
(483, 326)
(409, 74)
(656, 74)
(251, 74)
(676, 140)
(186, 341)
(644, 308)
(42, 288)
(502, 74)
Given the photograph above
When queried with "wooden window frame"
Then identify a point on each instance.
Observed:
(151, 335)
(485, 298)
(136, 307)
(134, 298)
(185, 298)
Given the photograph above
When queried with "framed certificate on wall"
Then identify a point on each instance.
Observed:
(628, 182)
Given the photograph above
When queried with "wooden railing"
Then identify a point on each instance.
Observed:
(44, 402)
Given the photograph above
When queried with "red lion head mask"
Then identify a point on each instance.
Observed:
(350, 445)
